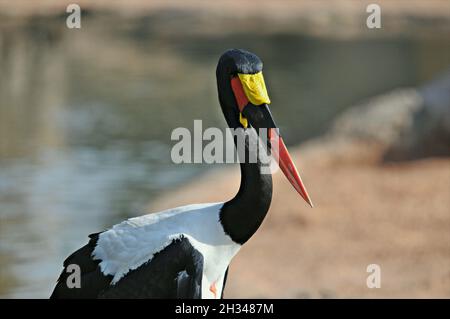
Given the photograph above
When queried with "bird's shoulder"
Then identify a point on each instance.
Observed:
(128, 245)
(182, 211)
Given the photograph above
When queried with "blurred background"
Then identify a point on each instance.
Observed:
(86, 116)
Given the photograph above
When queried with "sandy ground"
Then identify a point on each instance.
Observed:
(394, 215)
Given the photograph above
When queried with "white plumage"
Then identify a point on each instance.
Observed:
(128, 245)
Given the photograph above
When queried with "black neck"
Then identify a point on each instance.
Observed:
(242, 215)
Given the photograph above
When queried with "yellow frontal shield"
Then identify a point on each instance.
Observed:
(255, 91)
(255, 88)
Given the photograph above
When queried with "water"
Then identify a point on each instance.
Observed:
(86, 117)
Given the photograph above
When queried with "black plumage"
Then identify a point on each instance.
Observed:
(176, 271)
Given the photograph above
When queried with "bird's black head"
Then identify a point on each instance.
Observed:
(242, 91)
(236, 61)
(244, 101)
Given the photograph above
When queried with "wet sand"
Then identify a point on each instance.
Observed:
(395, 215)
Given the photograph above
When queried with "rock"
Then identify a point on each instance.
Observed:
(408, 123)
(431, 135)
(382, 119)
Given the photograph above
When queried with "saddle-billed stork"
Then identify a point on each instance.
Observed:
(185, 252)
